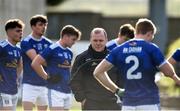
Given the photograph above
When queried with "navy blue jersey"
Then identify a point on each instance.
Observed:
(58, 62)
(176, 55)
(9, 59)
(137, 61)
(29, 75)
(111, 44)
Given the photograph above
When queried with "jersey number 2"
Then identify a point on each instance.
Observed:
(130, 74)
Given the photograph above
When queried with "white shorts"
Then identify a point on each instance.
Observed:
(8, 100)
(59, 99)
(35, 94)
(153, 107)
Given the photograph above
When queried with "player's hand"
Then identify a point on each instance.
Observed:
(54, 79)
(120, 92)
(176, 79)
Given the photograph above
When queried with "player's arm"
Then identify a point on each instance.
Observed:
(175, 57)
(169, 71)
(19, 71)
(163, 64)
(37, 65)
(31, 53)
(101, 75)
(19, 68)
(172, 61)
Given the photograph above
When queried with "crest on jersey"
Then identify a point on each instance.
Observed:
(65, 55)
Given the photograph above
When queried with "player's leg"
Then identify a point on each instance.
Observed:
(68, 101)
(5, 102)
(42, 100)
(42, 108)
(27, 106)
(56, 100)
(153, 107)
(29, 96)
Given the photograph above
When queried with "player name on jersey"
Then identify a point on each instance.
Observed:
(132, 50)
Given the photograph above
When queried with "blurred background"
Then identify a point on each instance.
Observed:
(110, 15)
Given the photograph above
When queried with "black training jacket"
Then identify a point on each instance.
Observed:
(83, 83)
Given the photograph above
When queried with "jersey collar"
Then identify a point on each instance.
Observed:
(60, 45)
(137, 39)
(35, 39)
(10, 43)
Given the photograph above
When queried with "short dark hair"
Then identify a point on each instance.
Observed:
(70, 30)
(38, 18)
(127, 30)
(13, 23)
(145, 25)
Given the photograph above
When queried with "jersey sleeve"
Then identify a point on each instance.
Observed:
(157, 56)
(25, 46)
(176, 55)
(111, 57)
(46, 54)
